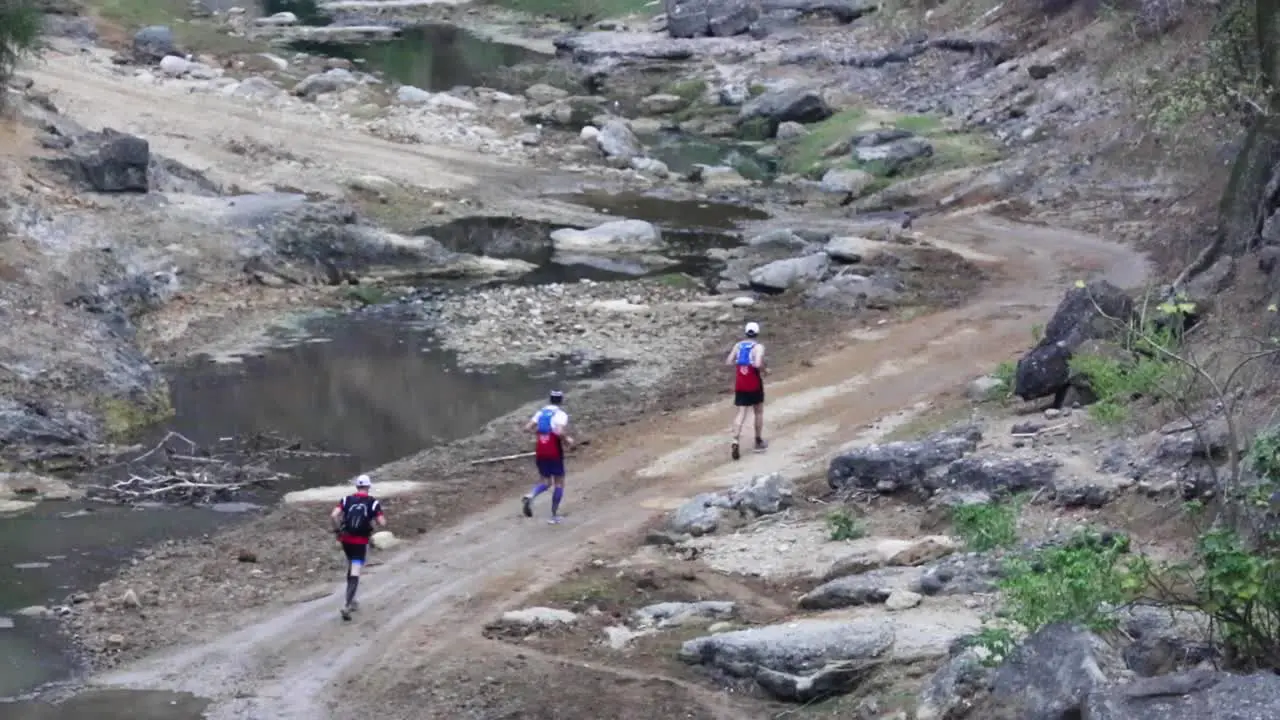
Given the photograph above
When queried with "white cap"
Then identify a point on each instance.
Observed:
(753, 328)
(364, 481)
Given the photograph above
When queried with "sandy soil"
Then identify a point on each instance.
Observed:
(426, 606)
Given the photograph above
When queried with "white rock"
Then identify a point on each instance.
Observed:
(174, 66)
(280, 18)
(6, 623)
(538, 617)
(902, 600)
(618, 236)
(410, 95)
(744, 301)
(384, 540)
(445, 100)
(36, 611)
(590, 134)
(853, 249)
(279, 62)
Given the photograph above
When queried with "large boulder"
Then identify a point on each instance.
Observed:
(152, 43)
(997, 474)
(618, 142)
(1096, 311)
(853, 291)
(869, 588)
(782, 275)
(614, 237)
(798, 661)
(1050, 674)
(890, 158)
(763, 495)
(796, 103)
(1195, 695)
(718, 18)
(329, 81)
(698, 516)
(893, 466)
(109, 161)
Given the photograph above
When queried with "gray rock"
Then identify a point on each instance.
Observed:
(543, 94)
(782, 239)
(853, 248)
(851, 182)
(1181, 442)
(614, 237)
(1197, 695)
(950, 687)
(726, 18)
(902, 600)
(333, 80)
(852, 291)
(687, 18)
(789, 130)
(109, 161)
(796, 104)
(892, 157)
(676, 614)
(1165, 640)
(892, 466)
(152, 43)
(782, 275)
(797, 646)
(996, 474)
(699, 516)
(617, 142)
(842, 11)
(763, 495)
(831, 680)
(650, 166)
(1050, 674)
(1096, 311)
(965, 574)
(661, 103)
(717, 177)
(868, 588)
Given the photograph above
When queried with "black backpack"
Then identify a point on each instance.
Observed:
(357, 515)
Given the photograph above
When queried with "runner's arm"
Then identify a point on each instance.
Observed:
(732, 357)
(379, 517)
(758, 360)
(335, 518)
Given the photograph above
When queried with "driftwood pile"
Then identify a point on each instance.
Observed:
(178, 471)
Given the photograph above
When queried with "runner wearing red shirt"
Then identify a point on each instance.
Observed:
(354, 519)
(747, 357)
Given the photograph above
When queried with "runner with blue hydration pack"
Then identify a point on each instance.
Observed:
(550, 425)
(747, 357)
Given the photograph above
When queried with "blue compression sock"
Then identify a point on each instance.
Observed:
(556, 496)
(538, 490)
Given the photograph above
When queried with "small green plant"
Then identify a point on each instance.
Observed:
(997, 643)
(368, 295)
(1240, 589)
(1263, 456)
(1078, 582)
(1007, 373)
(20, 23)
(1116, 383)
(1037, 333)
(690, 90)
(987, 527)
(841, 526)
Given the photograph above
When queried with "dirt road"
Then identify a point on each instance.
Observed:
(301, 662)
(307, 150)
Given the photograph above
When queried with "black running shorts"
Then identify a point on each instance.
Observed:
(743, 398)
(356, 552)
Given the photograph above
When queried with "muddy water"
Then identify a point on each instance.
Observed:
(111, 705)
(529, 240)
(367, 385)
(667, 212)
(433, 57)
(681, 152)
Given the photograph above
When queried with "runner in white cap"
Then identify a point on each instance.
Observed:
(747, 357)
(353, 521)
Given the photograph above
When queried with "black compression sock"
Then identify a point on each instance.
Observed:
(353, 582)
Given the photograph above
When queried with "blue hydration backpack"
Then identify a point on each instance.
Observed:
(744, 353)
(544, 420)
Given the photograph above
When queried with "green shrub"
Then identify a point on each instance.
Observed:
(987, 527)
(843, 526)
(1116, 383)
(1077, 582)
(19, 35)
